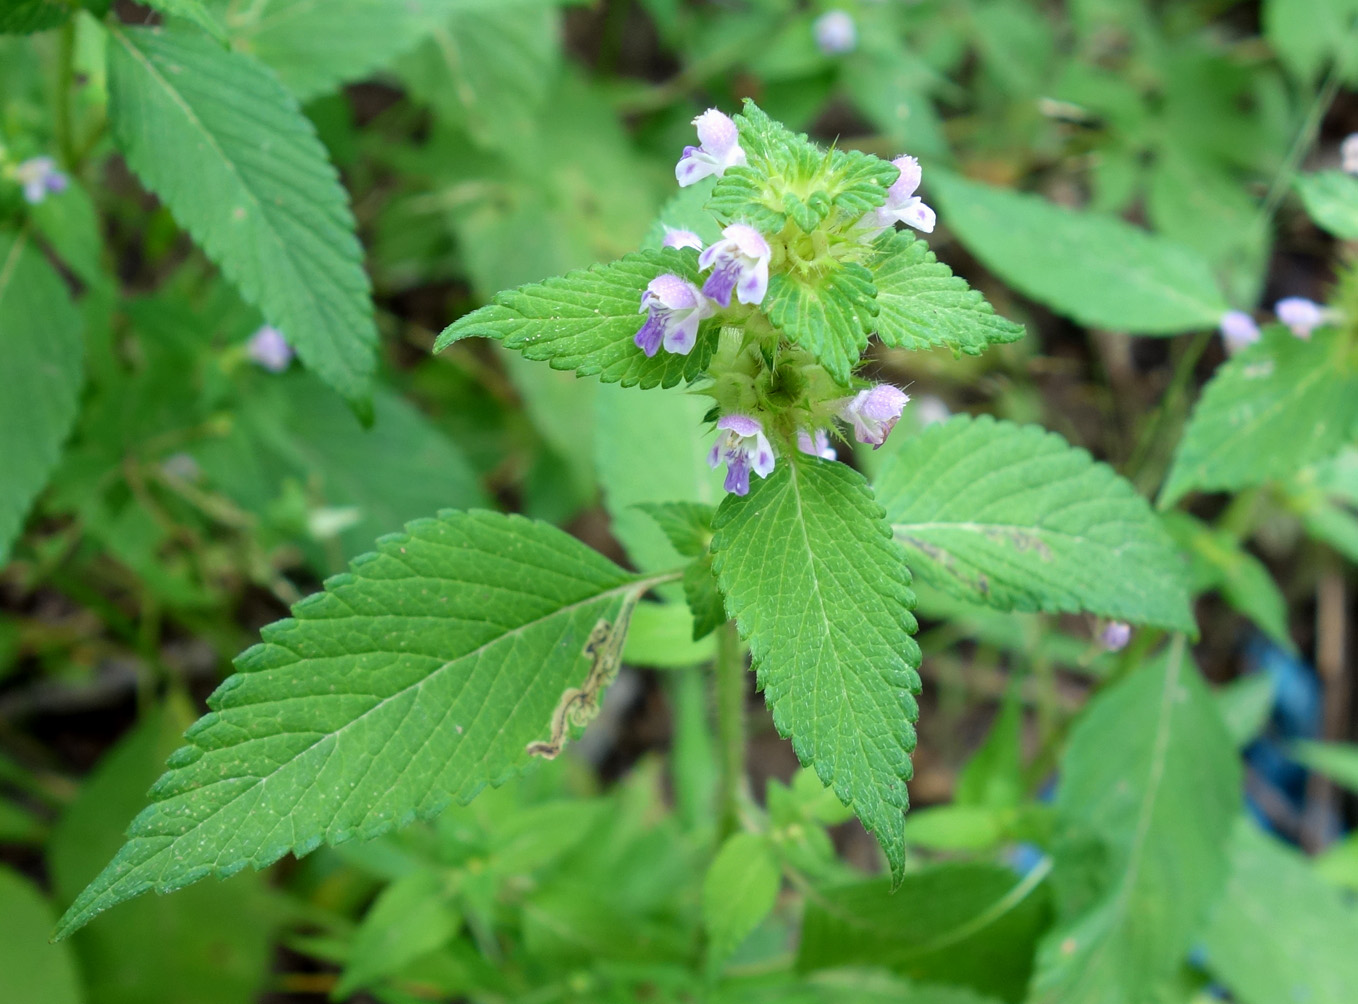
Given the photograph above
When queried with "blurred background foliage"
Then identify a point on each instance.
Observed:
(486, 144)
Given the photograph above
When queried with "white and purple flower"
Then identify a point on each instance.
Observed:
(1115, 636)
(902, 204)
(739, 262)
(718, 149)
(1302, 316)
(1238, 330)
(835, 33)
(1348, 154)
(741, 443)
(675, 238)
(874, 412)
(40, 178)
(816, 444)
(268, 348)
(674, 309)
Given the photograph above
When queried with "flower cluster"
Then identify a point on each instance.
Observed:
(1298, 314)
(737, 273)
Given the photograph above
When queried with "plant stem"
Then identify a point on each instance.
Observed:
(65, 84)
(730, 699)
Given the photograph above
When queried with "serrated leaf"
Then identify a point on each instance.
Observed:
(1269, 410)
(1331, 197)
(41, 370)
(1096, 269)
(586, 321)
(23, 17)
(739, 890)
(224, 145)
(1016, 518)
(829, 314)
(1162, 809)
(687, 525)
(822, 594)
(704, 598)
(964, 924)
(1280, 933)
(413, 681)
(921, 304)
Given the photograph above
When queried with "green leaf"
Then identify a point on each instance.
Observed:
(586, 321)
(1015, 518)
(1162, 808)
(921, 304)
(31, 970)
(23, 17)
(1331, 197)
(412, 917)
(192, 10)
(830, 313)
(315, 47)
(1244, 705)
(1279, 933)
(1219, 561)
(661, 635)
(1337, 761)
(413, 681)
(70, 224)
(687, 525)
(822, 594)
(1269, 410)
(41, 370)
(225, 146)
(739, 890)
(964, 924)
(1307, 34)
(215, 939)
(704, 598)
(1096, 269)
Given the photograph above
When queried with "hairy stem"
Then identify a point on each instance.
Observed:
(730, 699)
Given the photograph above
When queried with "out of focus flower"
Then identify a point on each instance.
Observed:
(742, 445)
(40, 178)
(817, 444)
(1115, 636)
(674, 309)
(718, 149)
(930, 410)
(740, 262)
(1238, 330)
(874, 412)
(681, 239)
(1348, 154)
(1302, 316)
(269, 349)
(835, 33)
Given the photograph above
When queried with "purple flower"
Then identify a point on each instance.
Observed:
(744, 448)
(1115, 636)
(902, 204)
(269, 349)
(817, 445)
(674, 308)
(681, 239)
(718, 149)
(835, 33)
(740, 262)
(1348, 154)
(874, 412)
(40, 178)
(1238, 330)
(1301, 315)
